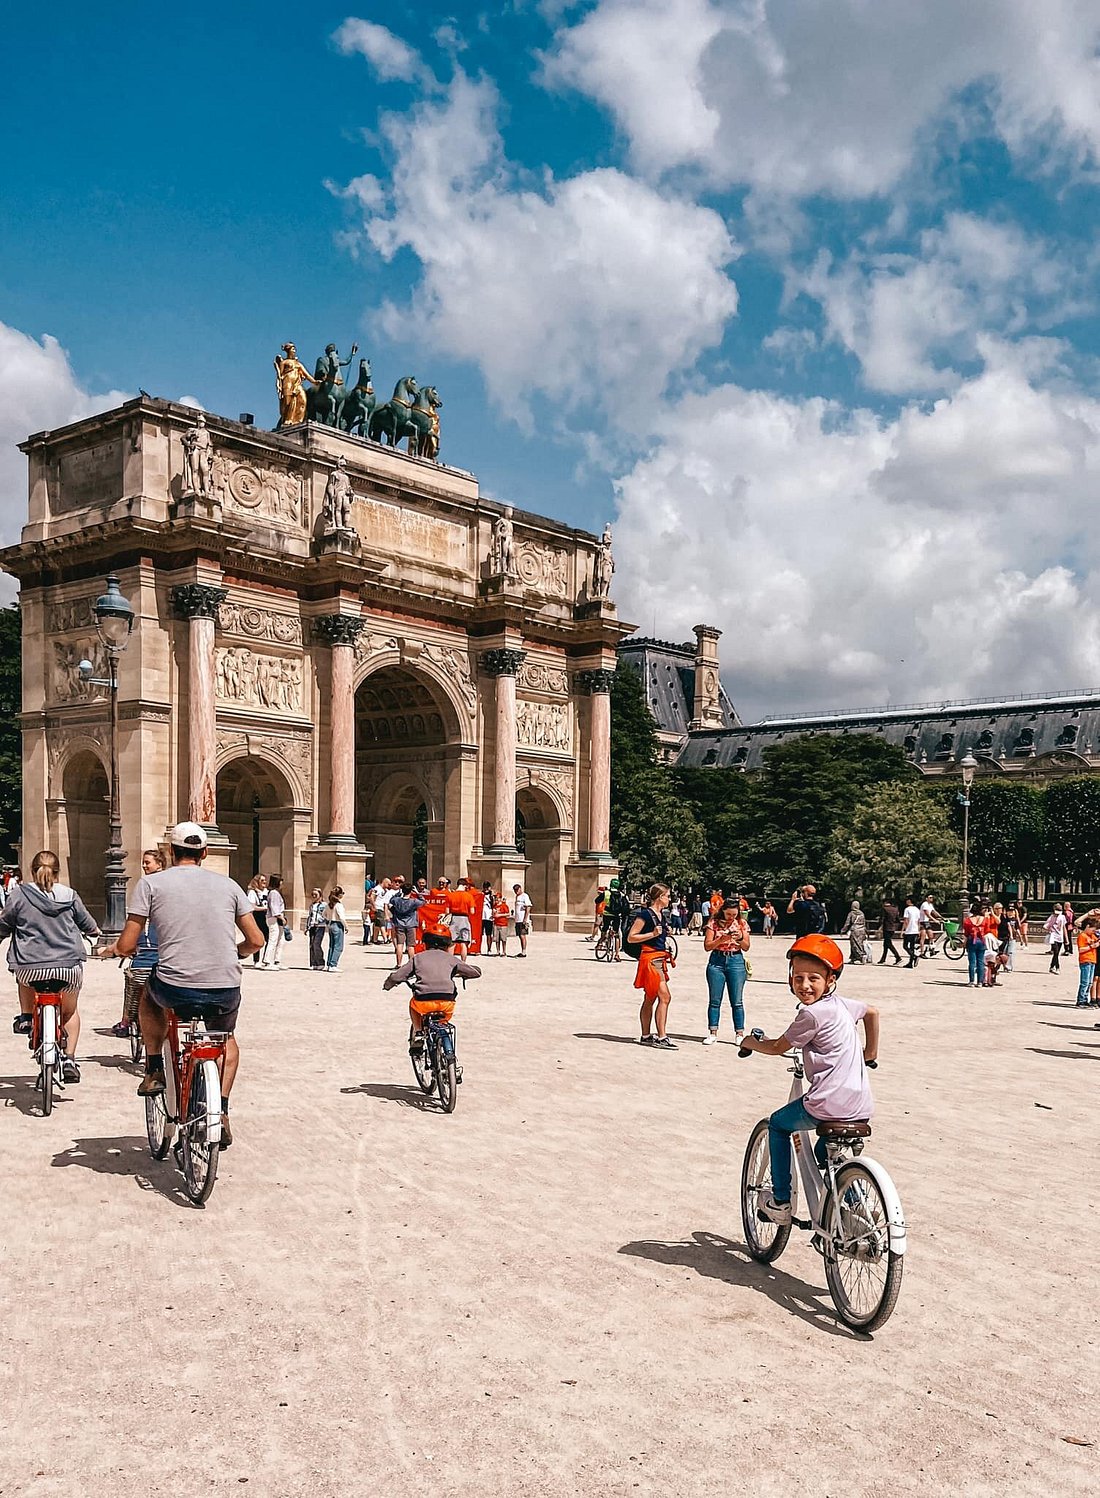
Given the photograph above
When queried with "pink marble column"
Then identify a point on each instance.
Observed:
(198, 603)
(341, 631)
(597, 685)
(503, 665)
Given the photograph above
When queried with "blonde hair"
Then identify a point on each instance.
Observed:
(655, 892)
(158, 855)
(335, 893)
(46, 869)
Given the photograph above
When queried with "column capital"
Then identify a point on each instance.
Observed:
(337, 629)
(502, 662)
(197, 601)
(593, 683)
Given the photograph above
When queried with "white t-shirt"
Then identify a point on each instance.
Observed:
(523, 907)
(926, 911)
(911, 918)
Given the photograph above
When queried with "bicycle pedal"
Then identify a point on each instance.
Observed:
(802, 1222)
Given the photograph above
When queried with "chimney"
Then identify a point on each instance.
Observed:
(706, 709)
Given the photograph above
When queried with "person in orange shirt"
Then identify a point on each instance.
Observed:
(435, 911)
(1087, 943)
(501, 916)
(465, 906)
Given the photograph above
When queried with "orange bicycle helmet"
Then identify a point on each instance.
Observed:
(823, 948)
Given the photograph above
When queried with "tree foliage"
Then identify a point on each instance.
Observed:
(1007, 829)
(1072, 817)
(654, 834)
(899, 838)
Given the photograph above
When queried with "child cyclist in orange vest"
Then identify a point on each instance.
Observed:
(647, 932)
(434, 971)
(501, 917)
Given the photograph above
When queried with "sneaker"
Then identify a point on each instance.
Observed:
(22, 1024)
(710, 1038)
(70, 1071)
(773, 1211)
(416, 1044)
(648, 1040)
(739, 1037)
(227, 1132)
(664, 1044)
(151, 1084)
(121, 1029)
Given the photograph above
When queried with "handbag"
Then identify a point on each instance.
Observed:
(748, 968)
(288, 934)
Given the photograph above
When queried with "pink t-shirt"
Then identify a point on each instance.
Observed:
(833, 1058)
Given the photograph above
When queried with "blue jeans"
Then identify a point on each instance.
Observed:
(726, 970)
(975, 959)
(785, 1121)
(335, 945)
(1088, 973)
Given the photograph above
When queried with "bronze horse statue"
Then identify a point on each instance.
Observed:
(324, 400)
(424, 442)
(393, 421)
(358, 404)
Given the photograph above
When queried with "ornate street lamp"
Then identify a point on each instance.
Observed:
(968, 764)
(114, 618)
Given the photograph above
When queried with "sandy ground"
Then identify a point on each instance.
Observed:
(546, 1293)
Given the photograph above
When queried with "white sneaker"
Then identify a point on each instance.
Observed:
(740, 1036)
(773, 1211)
(710, 1038)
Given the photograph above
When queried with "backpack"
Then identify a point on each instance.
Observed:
(634, 948)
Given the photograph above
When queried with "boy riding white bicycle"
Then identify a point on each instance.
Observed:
(825, 1029)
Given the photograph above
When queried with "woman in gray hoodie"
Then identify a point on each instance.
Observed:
(45, 919)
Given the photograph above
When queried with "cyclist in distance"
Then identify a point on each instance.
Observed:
(205, 926)
(616, 915)
(45, 920)
(825, 1030)
(434, 971)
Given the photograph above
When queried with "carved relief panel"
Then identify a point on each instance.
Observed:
(251, 678)
(542, 568)
(266, 490)
(65, 684)
(259, 624)
(544, 725)
(533, 676)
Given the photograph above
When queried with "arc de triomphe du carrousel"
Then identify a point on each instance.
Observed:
(336, 646)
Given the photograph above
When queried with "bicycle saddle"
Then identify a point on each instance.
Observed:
(51, 985)
(856, 1128)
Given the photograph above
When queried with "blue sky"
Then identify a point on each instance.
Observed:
(803, 298)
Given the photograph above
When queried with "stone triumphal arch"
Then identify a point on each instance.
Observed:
(345, 661)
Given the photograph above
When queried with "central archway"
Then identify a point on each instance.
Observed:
(404, 725)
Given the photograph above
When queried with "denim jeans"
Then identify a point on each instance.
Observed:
(335, 945)
(1084, 987)
(785, 1121)
(975, 959)
(726, 970)
(316, 946)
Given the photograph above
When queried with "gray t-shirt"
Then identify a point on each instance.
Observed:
(195, 912)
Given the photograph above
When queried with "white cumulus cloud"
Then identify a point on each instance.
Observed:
(391, 58)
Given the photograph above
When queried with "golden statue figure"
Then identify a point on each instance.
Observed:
(289, 375)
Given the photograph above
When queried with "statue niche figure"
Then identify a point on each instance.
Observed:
(603, 566)
(198, 461)
(338, 498)
(358, 405)
(502, 551)
(290, 375)
(324, 401)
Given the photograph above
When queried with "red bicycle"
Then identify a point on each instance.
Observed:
(47, 1041)
(190, 1106)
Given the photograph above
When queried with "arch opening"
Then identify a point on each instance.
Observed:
(540, 838)
(255, 807)
(83, 841)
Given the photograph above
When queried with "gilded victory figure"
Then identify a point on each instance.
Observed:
(290, 375)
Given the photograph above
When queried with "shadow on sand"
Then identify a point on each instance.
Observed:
(128, 1156)
(395, 1092)
(720, 1258)
(20, 1092)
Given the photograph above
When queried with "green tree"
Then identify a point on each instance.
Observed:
(1007, 829)
(898, 838)
(1072, 809)
(654, 834)
(11, 743)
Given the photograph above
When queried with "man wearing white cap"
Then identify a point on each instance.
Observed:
(201, 918)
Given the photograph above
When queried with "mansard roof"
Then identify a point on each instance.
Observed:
(668, 671)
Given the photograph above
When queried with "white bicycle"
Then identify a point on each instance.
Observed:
(853, 1212)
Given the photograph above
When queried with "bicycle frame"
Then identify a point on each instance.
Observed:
(46, 1038)
(818, 1191)
(188, 1045)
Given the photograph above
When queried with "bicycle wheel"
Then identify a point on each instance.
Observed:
(672, 946)
(49, 1055)
(601, 946)
(609, 948)
(446, 1077)
(765, 1240)
(422, 1066)
(199, 1151)
(954, 947)
(863, 1275)
(158, 1127)
(137, 1047)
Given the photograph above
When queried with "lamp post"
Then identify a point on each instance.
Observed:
(114, 619)
(968, 764)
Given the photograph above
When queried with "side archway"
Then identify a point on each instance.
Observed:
(81, 826)
(255, 810)
(545, 845)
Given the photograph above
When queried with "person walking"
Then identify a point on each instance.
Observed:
(1055, 929)
(46, 920)
(316, 924)
(404, 910)
(890, 920)
(337, 923)
(1067, 934)
(855, 929)
(522, 905)
(276, 922)
(257, 898)
(771, 917)
(488, 904)
(727, 939)
(1087, 943)
(647, 934)
(910, 930)
(974, 932)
